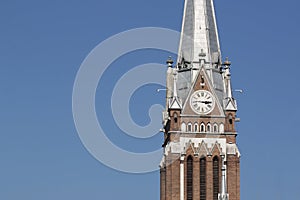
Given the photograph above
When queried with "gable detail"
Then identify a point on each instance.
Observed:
(202, 83)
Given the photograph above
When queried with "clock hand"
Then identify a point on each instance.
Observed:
(205, 102)
(197, 102)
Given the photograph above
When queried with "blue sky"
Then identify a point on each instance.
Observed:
(42, 46)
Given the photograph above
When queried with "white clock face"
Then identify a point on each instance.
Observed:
(202, 102)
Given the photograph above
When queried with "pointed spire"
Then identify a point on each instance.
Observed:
(199, 46)
(227, 64)
(199, 24)
(230, 103)
(175, 101)
(169, 82)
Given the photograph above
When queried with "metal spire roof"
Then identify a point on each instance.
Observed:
(199, 32)
(199, 46)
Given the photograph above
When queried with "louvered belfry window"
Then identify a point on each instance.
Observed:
(216, 179)
(189, 180)
(202, 179)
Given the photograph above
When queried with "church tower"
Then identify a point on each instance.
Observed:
(201, 159)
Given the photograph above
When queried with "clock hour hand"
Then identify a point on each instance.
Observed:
(205, 102)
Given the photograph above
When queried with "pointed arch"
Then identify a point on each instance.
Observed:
(203, 150)
(196, 127)
(202, 127)
(215, 128)
(189, 178)
(203, 178)
(175, 116)
(190, 127)
(230, 126)
(208, 129)
(216, 177)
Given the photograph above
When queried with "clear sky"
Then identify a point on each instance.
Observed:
(42, 46)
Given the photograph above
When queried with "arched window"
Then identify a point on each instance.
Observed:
(196, 127)
(208, 128)
(202, 128)
(189, 178)
(230, 119)
(190, 127)
(202, 179)
(215, 128)
(216, 179)
(175, 118)
(221, 128)
(183, 127)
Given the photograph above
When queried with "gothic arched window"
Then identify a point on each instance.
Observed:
(189, 127)
(208, 128)
(183, 127)
(202, 179)
(175, 118)
(196, 127)
(215, 128)
(202, 128)
(189, 178)
(230, 119)
(216, 178)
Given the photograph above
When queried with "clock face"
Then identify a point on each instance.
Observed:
(202, 102)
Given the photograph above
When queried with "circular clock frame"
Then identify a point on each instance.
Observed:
(202, 102)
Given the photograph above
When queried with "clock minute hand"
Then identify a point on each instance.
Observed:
(197, 102)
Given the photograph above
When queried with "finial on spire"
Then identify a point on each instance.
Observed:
(170, 62)
(227, 74)
(227, 62)
(202, 54)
